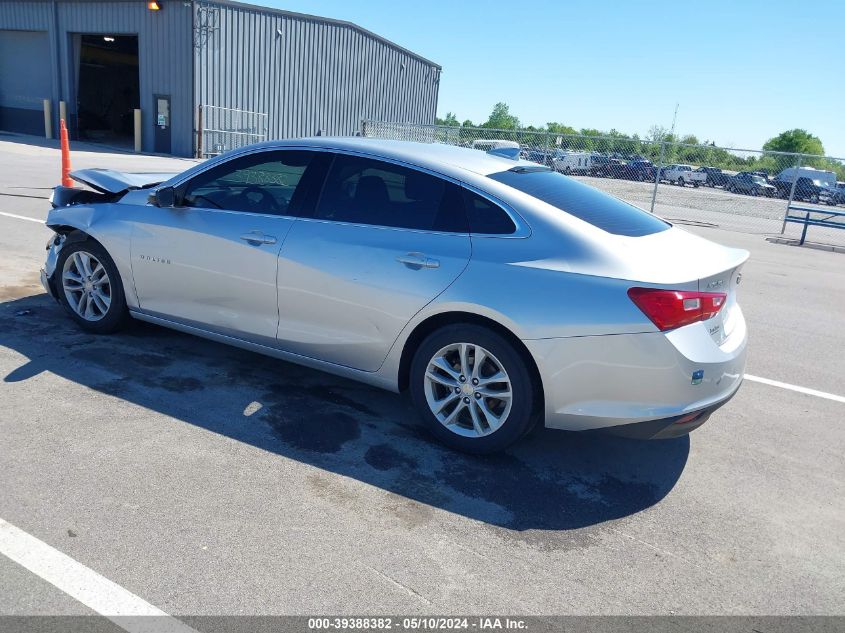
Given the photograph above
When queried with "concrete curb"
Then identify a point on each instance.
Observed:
(814, 245)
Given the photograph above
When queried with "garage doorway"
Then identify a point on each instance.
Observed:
(108, 88)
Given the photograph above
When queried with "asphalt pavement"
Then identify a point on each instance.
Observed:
(207, 480)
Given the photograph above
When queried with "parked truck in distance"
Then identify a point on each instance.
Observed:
(805, 189)
(682, 175)
(714, 177)
(827, 178)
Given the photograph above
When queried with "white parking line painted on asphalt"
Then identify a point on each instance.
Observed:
(96, 592)
(805, 390)
(21, 217)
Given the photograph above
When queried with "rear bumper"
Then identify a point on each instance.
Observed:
(666, 428)
(603, 382)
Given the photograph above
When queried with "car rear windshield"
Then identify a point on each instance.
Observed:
(585, 203)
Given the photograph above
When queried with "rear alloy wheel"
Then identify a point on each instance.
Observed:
(472, 389)
(90, 288)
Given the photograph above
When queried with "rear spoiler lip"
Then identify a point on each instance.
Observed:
(116, 182)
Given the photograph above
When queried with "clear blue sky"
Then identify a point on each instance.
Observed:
(741, 71)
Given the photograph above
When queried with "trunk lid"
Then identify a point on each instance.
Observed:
(722, 325)
(671, 257)
(678, 259)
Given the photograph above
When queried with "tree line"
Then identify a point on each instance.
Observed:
(676, 149)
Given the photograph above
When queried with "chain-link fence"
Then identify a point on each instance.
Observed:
(742, 190)
(221, 129)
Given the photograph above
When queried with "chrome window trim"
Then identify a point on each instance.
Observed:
(523, 229)
(240, 213)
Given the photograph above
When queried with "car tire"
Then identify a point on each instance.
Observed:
(755, 193)
(695, 184)
(681, 182)
(814, 199)
(568, 171)
(462, 422)
(87, 276)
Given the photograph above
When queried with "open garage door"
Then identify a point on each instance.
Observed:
(24, 80)
(108, 87)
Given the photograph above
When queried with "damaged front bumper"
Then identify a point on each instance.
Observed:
(48, 272)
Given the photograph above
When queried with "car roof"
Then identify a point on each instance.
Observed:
(435, 156)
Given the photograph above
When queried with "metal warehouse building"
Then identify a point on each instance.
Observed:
(207, 75)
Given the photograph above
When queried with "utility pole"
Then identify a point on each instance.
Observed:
(674, 119)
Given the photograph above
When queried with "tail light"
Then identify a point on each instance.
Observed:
(670, 309)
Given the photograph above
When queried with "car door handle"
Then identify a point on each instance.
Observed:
(257, 237)
(417, 261)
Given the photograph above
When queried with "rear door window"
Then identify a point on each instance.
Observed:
(584, 202)
(361, 190)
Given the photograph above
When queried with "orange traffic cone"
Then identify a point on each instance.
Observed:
(66, 179)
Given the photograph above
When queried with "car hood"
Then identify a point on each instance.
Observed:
(110, 181)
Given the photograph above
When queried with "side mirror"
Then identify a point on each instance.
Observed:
(164, 197)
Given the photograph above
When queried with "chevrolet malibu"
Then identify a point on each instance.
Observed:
(496, 291)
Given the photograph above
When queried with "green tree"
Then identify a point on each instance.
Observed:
(450, 120)
(501, 118)
(797, 140)
(560, 128)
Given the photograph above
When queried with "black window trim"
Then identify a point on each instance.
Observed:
(523, 229)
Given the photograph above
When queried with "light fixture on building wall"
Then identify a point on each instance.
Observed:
(154, 6)
(106, 38)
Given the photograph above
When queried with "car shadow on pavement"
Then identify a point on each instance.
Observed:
(552, 480)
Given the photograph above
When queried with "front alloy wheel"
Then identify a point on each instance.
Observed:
(86, 285)
(89, 287)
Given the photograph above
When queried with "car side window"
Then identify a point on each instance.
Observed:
(486, 217)
(361, 190)
(265, 182)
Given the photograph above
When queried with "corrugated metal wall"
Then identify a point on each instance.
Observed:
(164, 50)
(307, 74)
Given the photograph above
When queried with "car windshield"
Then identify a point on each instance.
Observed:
(584, 202)
(758, 180)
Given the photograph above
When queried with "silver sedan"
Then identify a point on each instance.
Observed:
(496, 291)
